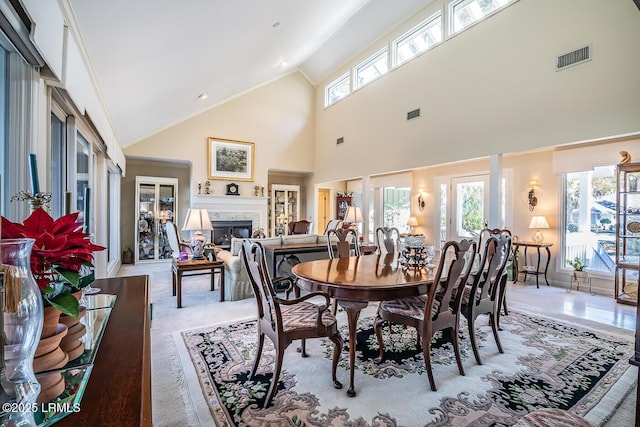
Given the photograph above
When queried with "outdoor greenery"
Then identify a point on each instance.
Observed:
(472, 209)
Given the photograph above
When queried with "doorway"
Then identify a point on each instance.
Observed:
(324, 208)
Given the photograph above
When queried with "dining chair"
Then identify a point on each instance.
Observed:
(174, 242)
(341, 241)
(333, 223)
(486, 233)
(284, 320)
(436, 310)
(482, 294)
(387, 239)
(299, 227)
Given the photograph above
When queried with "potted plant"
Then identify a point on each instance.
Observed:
(61, 259)
(578, 269)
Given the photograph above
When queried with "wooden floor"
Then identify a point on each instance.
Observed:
(551, 299)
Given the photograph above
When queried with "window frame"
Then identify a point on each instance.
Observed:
(410, 34)
(370, 61)
(566, 252)
(345, 77)
(451, 16)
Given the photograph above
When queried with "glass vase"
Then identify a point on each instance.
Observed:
(22, 324)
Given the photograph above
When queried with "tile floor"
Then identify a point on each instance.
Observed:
(556, 300)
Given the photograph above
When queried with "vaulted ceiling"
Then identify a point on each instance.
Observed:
(153, 58)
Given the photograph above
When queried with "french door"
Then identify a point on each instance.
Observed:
(470, 205)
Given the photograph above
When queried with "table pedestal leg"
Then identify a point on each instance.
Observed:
(353, 312)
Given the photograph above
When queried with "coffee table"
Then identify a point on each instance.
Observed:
(195, 267)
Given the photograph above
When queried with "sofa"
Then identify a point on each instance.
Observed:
(236, 279)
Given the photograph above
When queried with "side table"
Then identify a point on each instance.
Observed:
(537, 272)
(194, 267)
(366, 249)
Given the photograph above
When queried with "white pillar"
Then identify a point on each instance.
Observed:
(495, 192)
(586, 201)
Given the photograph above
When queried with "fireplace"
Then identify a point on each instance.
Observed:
(224, 231)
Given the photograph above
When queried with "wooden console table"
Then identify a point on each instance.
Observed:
(272, 252)
(537, 272)
(119, 388)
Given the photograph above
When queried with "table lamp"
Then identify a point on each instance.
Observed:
(412, 222)
(538, 222)
(353, 216)
(197, 220)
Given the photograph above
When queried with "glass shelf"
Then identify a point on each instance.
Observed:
(76, 373)
(69, 401)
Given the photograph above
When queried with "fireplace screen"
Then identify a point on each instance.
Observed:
(224, 231)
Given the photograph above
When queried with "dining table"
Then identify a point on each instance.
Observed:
(355, 281)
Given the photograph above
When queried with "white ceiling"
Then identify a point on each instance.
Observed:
(152, 58)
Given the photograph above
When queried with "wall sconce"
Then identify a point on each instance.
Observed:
(533, 200)
(420, 200)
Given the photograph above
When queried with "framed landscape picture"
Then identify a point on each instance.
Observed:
(230, 160)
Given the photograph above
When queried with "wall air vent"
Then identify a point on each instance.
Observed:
(340, 140)
(413, 114)
(575, 57)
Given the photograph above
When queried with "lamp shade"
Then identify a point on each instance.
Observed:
(353, 214)
(538, 222)
(197, 220)
(412, 221)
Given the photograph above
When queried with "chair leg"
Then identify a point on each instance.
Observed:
(426, 351)
(303, 347)
(276, 376)
(256, 360)
(377, 327)
(338, 343)
(335, 306)
(472, 337)
(494, 322)
(456, 348)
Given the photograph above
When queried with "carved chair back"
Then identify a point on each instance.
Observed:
(340, 242)
(387, 239)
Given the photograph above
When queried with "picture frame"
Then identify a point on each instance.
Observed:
(230, 160)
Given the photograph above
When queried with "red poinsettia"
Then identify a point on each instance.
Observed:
(60, 251)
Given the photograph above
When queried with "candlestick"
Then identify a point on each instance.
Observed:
(87, 204)
(35, 185)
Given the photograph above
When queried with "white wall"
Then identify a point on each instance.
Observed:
(491, 89)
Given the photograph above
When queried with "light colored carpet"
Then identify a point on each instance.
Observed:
(173, 396)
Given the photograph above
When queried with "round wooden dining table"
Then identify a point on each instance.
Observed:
(355, 281)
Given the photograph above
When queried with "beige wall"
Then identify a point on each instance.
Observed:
(139, 167)
(277, 117)
(491, 89)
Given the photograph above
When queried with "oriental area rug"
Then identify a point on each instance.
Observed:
(546, 363)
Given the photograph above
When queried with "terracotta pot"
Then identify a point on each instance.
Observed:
(71, 343)
(50, 321)
(48, 344)
(52, 360)
(51, 386)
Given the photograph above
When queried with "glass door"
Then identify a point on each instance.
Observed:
(471, 198)
(166, 209)
(146, 222)
(156, 207)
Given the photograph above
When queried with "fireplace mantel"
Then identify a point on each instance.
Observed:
(221, 207)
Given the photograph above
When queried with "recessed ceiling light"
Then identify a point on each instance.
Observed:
(283, 63)
(275, 24)
(203, 95)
